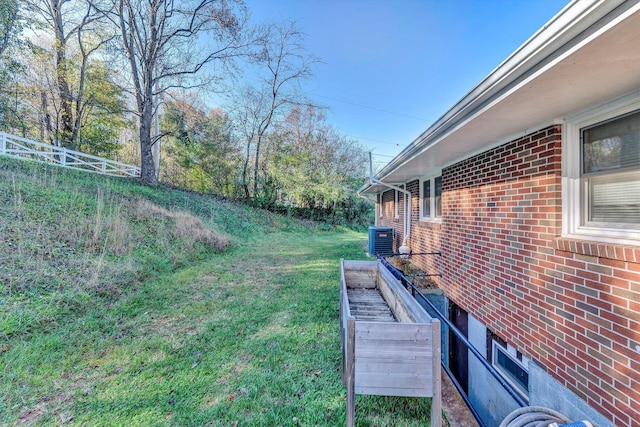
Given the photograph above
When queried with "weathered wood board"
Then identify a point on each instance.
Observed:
(390, 345)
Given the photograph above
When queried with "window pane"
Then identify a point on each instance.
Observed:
(614, 198)
(514, 370)
(426, 198)
(438, 195)
(612, 145)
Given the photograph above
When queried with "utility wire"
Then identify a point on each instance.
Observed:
(372, 108)
(383, 155)
(374, 140)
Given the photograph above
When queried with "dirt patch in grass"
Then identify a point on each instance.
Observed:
(48, 405)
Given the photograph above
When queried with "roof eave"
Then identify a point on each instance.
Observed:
(564, 30)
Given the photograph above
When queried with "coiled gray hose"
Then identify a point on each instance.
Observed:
(534, 416)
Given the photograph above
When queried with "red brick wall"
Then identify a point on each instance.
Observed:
(424, 236)
(387, 210)
(388, 218)
(572, 306)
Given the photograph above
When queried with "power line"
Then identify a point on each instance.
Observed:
(373, 108)
(374, 140)
(382, 155)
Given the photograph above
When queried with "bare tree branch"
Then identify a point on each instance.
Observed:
(286, 63)
(66, 20)
(161, 41)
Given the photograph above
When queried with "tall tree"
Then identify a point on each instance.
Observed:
(68, 21)
(311, 164)
(97, 105)
(283, 63)
(165, 45)
(200, 148)
(101, 116)
(9, 23)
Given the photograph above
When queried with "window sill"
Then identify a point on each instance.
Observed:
(617, 251)
(435, 224)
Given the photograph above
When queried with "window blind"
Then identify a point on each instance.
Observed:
(614, 198)
(611, 171)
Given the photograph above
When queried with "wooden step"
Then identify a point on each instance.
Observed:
(368, 305)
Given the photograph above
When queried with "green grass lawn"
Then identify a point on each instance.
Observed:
(243, 336)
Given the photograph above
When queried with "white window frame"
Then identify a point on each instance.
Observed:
(380, 205)
(572, 190)
(432, 200)
(510, 353)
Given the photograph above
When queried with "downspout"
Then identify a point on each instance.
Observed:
(403, 249)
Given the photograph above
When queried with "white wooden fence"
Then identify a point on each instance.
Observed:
(14, 146)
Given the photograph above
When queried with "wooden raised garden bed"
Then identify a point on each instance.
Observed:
(390, 345)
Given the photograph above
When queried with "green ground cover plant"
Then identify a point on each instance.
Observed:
(125, 305)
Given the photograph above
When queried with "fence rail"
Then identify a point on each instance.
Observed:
(15, 146)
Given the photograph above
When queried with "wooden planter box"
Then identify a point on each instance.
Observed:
(390, 345)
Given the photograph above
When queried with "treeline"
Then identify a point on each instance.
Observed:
(133, 80)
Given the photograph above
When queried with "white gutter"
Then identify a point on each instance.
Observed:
(403, 249)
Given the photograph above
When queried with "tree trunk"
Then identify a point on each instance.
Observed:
(75, 130)
(66, 98)
(66, 109)
(245, 169)
(255, 171)
(43, 115)
(147, 164)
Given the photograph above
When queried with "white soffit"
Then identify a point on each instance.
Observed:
(591, 68)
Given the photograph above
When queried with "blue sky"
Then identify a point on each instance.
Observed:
(392, 67)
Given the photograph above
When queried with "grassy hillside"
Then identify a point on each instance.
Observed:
(124, 305)
(68, 237)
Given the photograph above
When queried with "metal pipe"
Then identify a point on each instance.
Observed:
(462, 394)
(416, 292)
(413, 253)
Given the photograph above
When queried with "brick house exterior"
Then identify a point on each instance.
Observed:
(568, 304)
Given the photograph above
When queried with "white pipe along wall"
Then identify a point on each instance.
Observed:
(403, 249)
